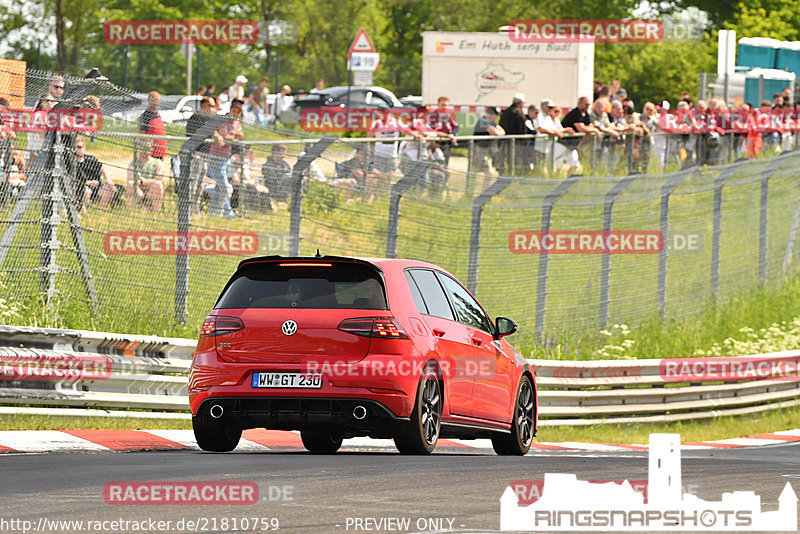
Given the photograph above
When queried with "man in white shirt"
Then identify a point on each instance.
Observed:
(283, 102)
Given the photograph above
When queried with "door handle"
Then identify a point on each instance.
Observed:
(476, 341)
(438, 332)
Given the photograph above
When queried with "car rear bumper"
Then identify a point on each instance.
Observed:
(297, 413)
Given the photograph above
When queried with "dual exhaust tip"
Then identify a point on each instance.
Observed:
(359, 412)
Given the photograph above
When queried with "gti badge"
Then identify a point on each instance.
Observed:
(289, 328)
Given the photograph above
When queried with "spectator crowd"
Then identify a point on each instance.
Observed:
(607, 133)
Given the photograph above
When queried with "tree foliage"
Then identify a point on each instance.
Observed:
(325, 29)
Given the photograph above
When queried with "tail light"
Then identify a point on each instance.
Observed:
(381, 327)
(217, 326)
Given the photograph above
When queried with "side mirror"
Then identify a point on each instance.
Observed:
(505, 327)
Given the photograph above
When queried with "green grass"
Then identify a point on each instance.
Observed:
(701, 430)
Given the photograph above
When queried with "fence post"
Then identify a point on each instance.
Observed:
(723, 177)
(631, 140)
(398, 188)
(541, 289)
(183, 190)
(51, 198)
(296, 202)
(475, 229)
(605, 259)
(593, 160)
(470, 153)
(513, 162)
(666, 189)
(763, 216)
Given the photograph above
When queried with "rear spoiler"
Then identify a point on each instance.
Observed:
(306, 259)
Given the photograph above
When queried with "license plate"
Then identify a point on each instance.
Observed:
(287, 380)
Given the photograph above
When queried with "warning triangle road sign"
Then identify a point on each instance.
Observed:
(362, 43)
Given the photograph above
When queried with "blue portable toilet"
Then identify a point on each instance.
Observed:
(757, 52)
(774, 82)
(787, 57)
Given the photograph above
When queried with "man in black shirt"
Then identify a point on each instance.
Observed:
(91, 182)
(512, 121)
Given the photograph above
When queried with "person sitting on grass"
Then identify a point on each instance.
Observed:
(91, 182)
(145, 183)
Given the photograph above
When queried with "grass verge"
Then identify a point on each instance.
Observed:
(702, 430)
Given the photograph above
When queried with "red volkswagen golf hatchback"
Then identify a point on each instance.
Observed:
(341, 347)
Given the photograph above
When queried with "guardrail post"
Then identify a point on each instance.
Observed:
(470, 153)
(541, 289)
(296, 202)
(723, 177)
(666, 189)
(605, 259)
(763, 215)
(183, 189)
(475, 229)
(396, 193)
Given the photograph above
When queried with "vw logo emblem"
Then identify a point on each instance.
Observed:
(289, 328)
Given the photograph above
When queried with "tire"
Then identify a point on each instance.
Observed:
(421, 433)
(213, 435)
(320, 441)
(518, 441)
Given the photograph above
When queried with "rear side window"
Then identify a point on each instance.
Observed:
(418, 301)
(432, 293)
(469, 311)
(339, 286)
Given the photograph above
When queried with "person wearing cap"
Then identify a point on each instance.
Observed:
(486, 125)
(219, 157)
(236, 91)
(512, 121)
(545, 125)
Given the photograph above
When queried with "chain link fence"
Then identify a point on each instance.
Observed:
(71, 249)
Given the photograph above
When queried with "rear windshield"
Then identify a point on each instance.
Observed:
(340, 286)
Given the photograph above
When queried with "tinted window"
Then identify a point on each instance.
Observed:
(432, 293)
(469, 311)
(341, 286)
(416, 294)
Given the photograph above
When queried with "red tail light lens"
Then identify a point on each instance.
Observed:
(217, 326)
(381, 327)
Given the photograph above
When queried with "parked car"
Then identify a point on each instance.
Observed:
(360, 97)
(174, 109)
(340, 347)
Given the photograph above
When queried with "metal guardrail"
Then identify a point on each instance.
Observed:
(150, 373)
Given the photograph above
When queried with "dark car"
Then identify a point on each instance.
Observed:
(342, 347)
(360, 97)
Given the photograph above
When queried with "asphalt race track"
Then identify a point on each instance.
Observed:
(329, 493)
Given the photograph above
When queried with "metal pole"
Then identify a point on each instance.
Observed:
(475, 229)
(760, 91)
(541, 280)
(593, 156)
(666, 189)
(763, 217)
(125, 66)
(723, 177)
(189, 69)
(397, 190)
(39, 55)
(197, 68)
(513, 156)
(701, 95)
(605, 259)
(278, 73)
(470, 154)
(296, 204)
